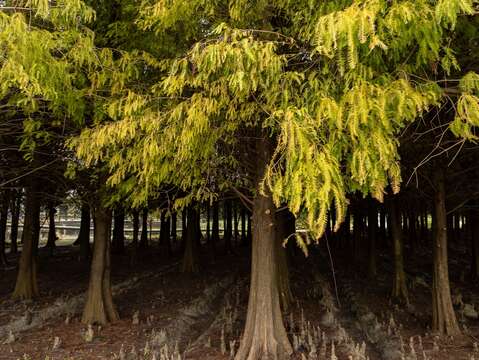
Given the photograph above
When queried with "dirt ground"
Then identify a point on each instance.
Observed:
(169, 315)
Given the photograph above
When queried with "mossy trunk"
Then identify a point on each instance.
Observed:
(99, 307)
(26, 286)
(264, 336)
(144, 229)
(399, 291)
(443, 317)
(190, 261)
(16, 202)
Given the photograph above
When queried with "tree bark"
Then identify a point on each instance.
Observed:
(99, 307)
(16, 203)
(190, 261)
(3, 227)
(443, 317)
(208, 224)
(399, 291)
(26, 286)
(264, 336)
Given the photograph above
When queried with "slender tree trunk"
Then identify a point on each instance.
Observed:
(173, 227)
(99, 307)
(443, 316)
(208, 224)
(52, 232)
(144, 229)
(84, 234)
(118, 243)
(372, 235)
(235, 223)
(16, 203)
(264, 336)
(3, 227)
(474, 231)
(399, 291)
(215, 226)
(190, 261)
(135, 219)
(228, 231)
(26, 285)
(165, 244)
(243, 226)
(283, 232)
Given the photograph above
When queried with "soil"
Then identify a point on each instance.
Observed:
(166, 314)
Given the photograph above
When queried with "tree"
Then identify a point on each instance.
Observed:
(312, 96)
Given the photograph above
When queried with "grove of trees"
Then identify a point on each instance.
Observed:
(355, 118)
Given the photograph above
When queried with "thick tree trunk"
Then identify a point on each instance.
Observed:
(99, 307)
(144, 229)
(443, 317)
(264, 336)
(190, 261)
(16, 202)
(3, 227)
(26, 285)
(118, 243)
(228, 226)
(372, 235)
(399, 291)
(52, 232)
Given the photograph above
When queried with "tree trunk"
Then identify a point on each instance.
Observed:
(118, 243)
(3, 227)
(473, 222)
(16, 203)
(99, 307)
(264, 336)
(26, 285)
(52, 232)
(443, 316)
(144, 230)
(235, 223)
(84, 234)
(215, 226)
(243, 226)
(135, 219)
(208, 225)
(165, 244)
(173, 227)
(372, 235)
(228, 226)
(283, 232)
(399, 291)
(190, 261)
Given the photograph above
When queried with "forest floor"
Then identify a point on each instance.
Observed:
(169, 315)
